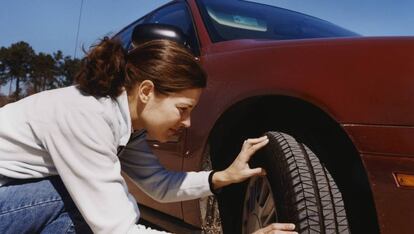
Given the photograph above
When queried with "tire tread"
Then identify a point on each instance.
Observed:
(317, 202)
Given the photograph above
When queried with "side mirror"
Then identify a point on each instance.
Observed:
(146, 32)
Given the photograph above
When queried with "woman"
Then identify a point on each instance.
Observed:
(59, 169)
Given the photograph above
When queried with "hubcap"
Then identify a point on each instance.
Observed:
(259, 206)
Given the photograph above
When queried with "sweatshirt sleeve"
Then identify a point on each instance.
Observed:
(144, 168)
(82, 146)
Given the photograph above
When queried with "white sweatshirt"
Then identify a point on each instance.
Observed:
(76, 136)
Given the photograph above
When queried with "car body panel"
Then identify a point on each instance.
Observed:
(170, 156)
(309, 71)
(395, 210)
(202, 33)
(361, 77)
(391, 141)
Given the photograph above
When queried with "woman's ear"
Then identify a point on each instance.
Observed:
(146, 90)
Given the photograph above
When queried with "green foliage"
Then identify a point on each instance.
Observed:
(27, 72)
(68, 68)
(16, 64)
(3, 52)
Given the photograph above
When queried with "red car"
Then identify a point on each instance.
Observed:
(337, 107)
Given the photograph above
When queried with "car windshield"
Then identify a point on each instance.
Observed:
(231, 20)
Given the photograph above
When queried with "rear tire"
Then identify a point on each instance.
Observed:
(302, 189)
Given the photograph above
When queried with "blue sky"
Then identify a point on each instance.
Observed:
(51, 25)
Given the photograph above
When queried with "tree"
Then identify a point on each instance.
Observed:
(21, 66)
(43, 73)
(16, 65)
(69, 69)
(3, 54)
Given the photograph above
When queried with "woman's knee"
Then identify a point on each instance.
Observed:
(33, 205)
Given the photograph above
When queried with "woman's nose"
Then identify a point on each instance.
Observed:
(186, 122)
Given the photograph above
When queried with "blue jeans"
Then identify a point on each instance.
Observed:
(39, 206)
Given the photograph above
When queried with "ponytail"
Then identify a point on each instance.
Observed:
(102, 71)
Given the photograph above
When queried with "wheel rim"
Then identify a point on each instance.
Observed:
(259, 207)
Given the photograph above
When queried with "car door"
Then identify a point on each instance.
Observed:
(171, 153)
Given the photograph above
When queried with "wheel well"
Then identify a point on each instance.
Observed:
(310, 125)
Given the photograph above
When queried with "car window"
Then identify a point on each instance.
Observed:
(125, 35)
(176, 14)
(232, 20)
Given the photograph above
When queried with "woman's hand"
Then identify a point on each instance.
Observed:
(277, 228)
(239, 170)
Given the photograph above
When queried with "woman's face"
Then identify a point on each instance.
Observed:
(164, 116)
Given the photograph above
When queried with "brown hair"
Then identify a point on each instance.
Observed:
(107, 68)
